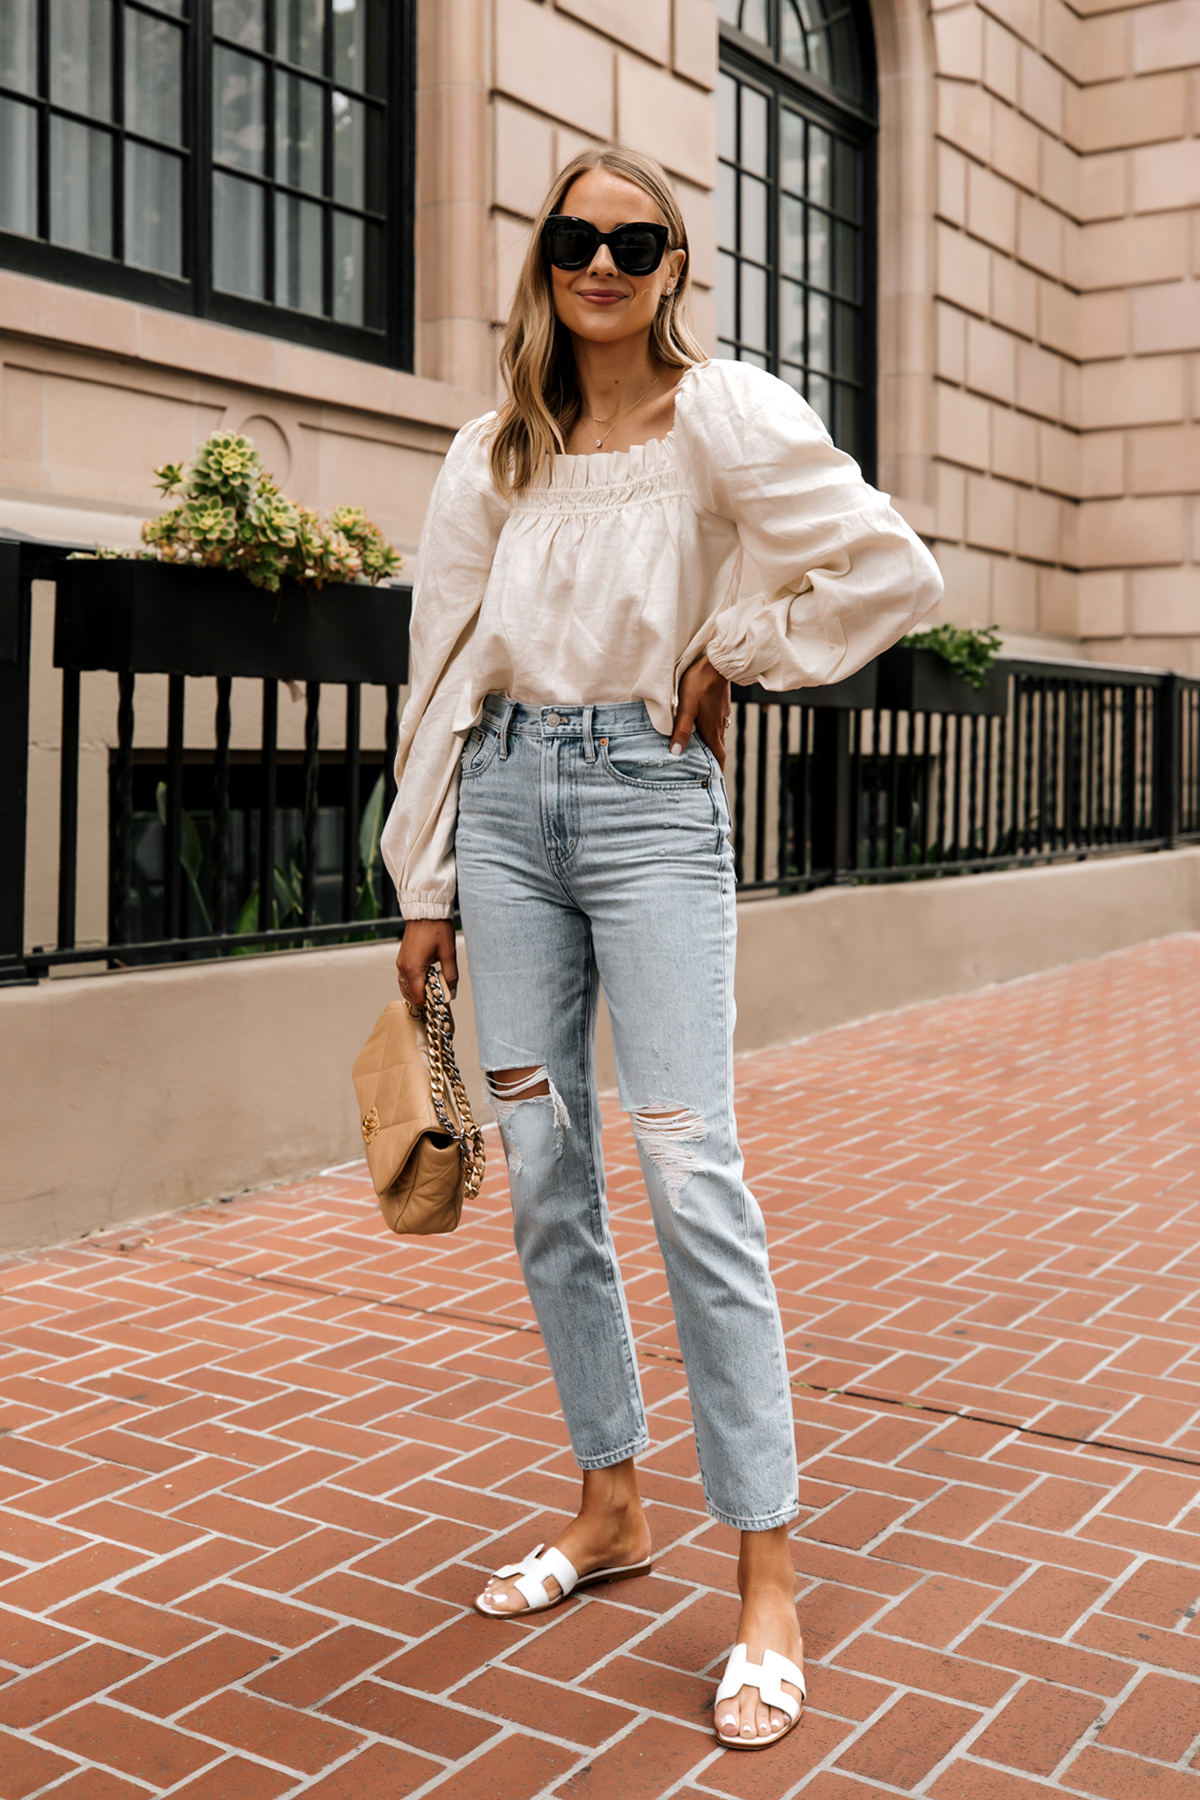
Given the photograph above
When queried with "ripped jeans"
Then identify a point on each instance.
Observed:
(587, 858)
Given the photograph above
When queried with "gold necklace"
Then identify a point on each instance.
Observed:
(622, 409)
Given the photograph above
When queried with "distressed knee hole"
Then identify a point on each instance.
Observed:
(512, 1089)
(510, 1085)
(669, 1137)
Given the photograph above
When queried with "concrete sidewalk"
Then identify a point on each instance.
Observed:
(256, 1458)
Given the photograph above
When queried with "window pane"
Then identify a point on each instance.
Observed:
(791, 238)
(791, 321)
(238, 237)
(845, 419)
(727, 118)
(817, 393)
(80, 187)
(357, 272)
(153, 237)
(241, 20)
(153, 76)
(357, 153)
(18, 160)
(18, 45)
(239, 130)
(792, 38)
(299, 133)
(754, 131)
(791, 151)
(359, 52)
(727, 296)
(818, 249)
(729, 10)
(726, 207)
(819, 339)
(845, 262)
(81, 55)
(820, 173)
(754, 306)
(754, 219)
(847, 167)
(301, 32)
(846, 70)
(753, 19)
(299, 254)
(846, 340)
(817, 55)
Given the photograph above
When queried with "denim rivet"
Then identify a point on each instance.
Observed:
(704, 784)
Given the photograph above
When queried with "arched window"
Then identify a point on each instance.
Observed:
(796, 203)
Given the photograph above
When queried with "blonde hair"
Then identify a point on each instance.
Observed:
(537, 359)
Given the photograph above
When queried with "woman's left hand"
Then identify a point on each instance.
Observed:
(705, 706)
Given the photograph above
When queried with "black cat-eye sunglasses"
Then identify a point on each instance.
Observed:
(572, 243)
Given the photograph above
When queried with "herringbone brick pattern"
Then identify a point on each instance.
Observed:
(256, 1458)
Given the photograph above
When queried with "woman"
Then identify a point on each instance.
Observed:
(577, 622)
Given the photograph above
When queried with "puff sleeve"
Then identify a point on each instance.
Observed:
(454, 561)
(844, 575)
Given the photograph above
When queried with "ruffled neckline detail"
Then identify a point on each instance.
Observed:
(617, 468)
(606, 468)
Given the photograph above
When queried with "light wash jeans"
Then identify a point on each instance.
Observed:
(587, 858)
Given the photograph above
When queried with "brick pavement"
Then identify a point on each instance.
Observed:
(254, 1459)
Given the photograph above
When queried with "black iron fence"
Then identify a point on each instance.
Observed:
(214, 852)
(1056, 761)
(902, 772)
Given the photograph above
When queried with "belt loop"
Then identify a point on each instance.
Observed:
(502, 730)
(589, 748)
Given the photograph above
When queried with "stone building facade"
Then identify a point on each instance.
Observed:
(1031, 248)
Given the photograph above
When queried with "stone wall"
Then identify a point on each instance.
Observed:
(1067, 463)
(640, 73)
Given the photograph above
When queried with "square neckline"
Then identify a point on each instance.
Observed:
(591, 456)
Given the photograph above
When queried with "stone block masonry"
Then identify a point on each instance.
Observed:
(1067, 197)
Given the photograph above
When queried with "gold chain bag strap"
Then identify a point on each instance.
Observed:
(424, 1150)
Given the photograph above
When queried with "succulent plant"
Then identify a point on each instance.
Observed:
(227, 466)
(232, 515)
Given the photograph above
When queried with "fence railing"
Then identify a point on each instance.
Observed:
(900, 773)
(211, 852)
(1073, 760)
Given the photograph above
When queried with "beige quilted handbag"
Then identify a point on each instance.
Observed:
(424, 1149)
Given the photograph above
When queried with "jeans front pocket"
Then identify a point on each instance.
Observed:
(644, 761)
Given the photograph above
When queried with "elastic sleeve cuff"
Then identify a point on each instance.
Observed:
(727, 663)
(424, 909)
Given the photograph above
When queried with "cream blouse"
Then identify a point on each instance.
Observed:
(613, 573)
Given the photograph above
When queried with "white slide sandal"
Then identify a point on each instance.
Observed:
(530, 1580)
(768, 1677)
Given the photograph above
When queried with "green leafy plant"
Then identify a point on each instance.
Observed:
(970, 653)
(191, 853)
(287, 899)
(370, 834)
(230, 514)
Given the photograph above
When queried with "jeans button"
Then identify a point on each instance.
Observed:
(555, 719)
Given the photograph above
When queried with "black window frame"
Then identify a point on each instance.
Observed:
(193, 294)
(784, 81)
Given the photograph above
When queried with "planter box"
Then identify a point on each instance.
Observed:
(856, 692)
(153, 618)
(912, 680)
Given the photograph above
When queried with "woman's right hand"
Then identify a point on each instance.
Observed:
(426, 941)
